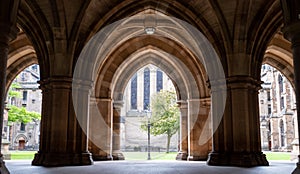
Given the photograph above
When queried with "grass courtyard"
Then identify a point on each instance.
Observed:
(29, 155)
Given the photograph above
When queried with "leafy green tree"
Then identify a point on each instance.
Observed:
(20, 114)
(165, 115)
(12, 90)
(16, 114)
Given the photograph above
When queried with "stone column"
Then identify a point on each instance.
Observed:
(100, 141)
(236, 140)
(183, 142)
(199, 135)
(116, 151)
(8, 31)
(63, 134)
(292, 32)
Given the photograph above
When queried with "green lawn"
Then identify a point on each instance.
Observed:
(18, 155)
(278, 155)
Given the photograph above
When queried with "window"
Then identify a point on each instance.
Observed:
(22, 127)
(24, 95)
(268, 96)
(281, 103)
(159, 80)
(280, 81)
(282, 133)
(23, 77)
(269, 110)
(134, 92)
(146, 88)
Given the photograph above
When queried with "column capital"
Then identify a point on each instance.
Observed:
(243, 82)
(81, 84)
(182, 104)
(56, 83)
(118, 104)
(7, 33)
(292, 33)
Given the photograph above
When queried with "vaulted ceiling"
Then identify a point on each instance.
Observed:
(232, 26)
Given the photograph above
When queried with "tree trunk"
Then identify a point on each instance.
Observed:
(168, 143)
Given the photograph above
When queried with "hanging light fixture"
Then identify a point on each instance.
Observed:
(149, 30)
(150, 22)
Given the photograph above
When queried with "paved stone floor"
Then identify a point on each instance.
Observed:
(147, 167)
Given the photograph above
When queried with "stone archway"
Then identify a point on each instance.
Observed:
(279, 55)
(104, 66)
(21, 55)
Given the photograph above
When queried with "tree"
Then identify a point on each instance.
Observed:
(165, 115)
(20, 114)
(16, 114)
(12, 90)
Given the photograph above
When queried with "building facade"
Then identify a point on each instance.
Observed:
(137, 98)
(277, 111)
(110, 39)
(25, 136)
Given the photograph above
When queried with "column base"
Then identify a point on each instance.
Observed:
(242, 159)
(118, 156)
(182, 156)
(102, 158)
(297, 169)
(3, 169)
(62, 159)
(197, 158)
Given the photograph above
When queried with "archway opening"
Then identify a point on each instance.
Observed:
(143, 110)
(277, 113)
(21, 124)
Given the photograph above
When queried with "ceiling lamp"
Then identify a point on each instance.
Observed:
(150, 22)
(149, 30)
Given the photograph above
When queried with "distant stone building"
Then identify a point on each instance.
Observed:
(25, 136)
(137, 97)
(277, 111)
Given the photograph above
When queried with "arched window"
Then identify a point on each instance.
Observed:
(280, 82)
(159, 80)
(146, 88)
(22, 127)
(282, 136)
(133, 98)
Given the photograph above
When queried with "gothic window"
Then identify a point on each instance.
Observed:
(281, 125)
(281, 102)
(159, 80)
(134, 92)
(22, 127)
(280, 82)
(24, 95)
(23, 76)
(268, 96)
(146, 88)
(269, 109)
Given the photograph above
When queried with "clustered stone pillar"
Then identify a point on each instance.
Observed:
(292, 32)
(8, 32)
(183, 142)
(236, 140)
(3, 63)
(63, 135)
(116, 151)
(100, 129)
(199, 136)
